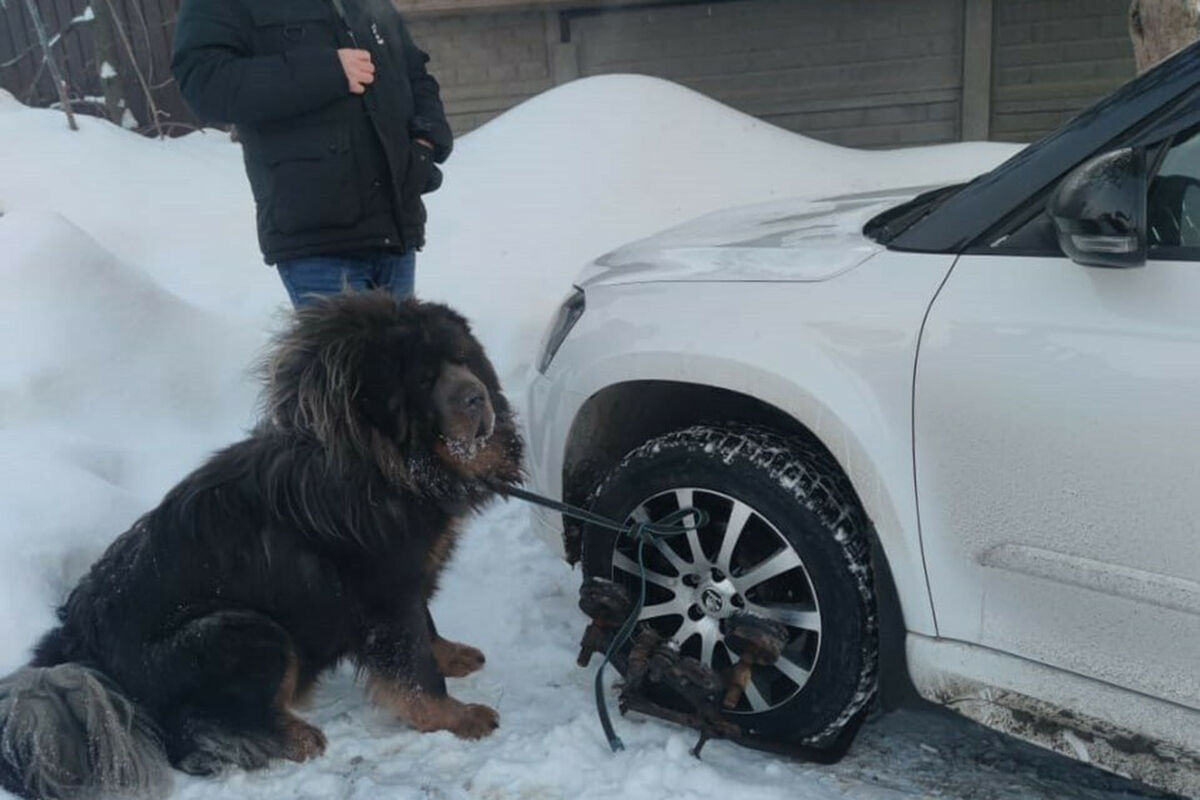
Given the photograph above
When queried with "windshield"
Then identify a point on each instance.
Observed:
(933, 225)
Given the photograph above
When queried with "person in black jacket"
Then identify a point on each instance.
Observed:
(341, 127)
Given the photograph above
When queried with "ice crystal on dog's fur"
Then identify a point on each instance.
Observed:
(466, 451)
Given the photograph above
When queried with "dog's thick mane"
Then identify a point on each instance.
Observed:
(313, 380)
(312, 403)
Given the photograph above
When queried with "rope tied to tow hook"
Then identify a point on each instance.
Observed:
(677, 523)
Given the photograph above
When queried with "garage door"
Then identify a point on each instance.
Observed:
(866, 73)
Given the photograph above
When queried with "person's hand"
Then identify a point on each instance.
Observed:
(360, 72)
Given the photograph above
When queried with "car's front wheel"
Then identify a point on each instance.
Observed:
(786, 541)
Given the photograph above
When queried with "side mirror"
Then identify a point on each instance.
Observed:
(1099, 210)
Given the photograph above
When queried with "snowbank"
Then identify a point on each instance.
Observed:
(179, 209)
(111, 388)
(135, 303)
(589, 166)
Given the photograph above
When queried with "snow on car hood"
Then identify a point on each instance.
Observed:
(792, 240)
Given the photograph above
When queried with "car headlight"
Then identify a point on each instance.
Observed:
(568, 314)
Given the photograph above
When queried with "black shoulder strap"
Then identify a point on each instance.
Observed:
(339, 8)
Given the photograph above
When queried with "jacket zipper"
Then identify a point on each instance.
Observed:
(340, 10)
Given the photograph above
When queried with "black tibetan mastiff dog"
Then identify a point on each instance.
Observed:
(318, 538)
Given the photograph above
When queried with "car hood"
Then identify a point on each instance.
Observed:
(792, 240)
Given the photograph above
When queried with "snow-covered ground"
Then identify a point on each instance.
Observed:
(134, 303)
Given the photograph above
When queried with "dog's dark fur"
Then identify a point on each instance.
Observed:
(320, 537)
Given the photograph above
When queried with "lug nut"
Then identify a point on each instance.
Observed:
(717, 575)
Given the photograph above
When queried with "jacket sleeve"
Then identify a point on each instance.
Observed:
(429, 117)
(224, 82)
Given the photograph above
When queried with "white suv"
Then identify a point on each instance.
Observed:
(955, 435)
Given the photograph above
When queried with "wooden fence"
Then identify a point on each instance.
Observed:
(115, 55)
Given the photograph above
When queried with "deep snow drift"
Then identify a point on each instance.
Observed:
(135, 304)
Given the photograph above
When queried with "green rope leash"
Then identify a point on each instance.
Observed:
(674, 524)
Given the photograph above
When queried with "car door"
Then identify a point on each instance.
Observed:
(1057, 452)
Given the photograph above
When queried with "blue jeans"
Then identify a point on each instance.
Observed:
(308, 278)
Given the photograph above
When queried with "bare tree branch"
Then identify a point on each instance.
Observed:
(141, 15)
(37, 76)
(54, 42)
(19, 56)
(150, 104)
(60, 83)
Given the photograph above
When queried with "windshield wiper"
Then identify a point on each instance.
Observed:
(889, 224)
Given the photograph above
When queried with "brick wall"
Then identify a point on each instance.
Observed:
(866, 73)
(857, 72)
(1052, 58)
(486, 62)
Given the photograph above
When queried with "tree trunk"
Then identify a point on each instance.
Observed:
(1161, 27)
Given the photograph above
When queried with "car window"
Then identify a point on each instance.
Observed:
(1173, 202)
(1035, 237)
(1172, 211)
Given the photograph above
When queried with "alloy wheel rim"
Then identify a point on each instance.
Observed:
(738, 562)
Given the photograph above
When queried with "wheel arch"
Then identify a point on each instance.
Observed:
(650, 408)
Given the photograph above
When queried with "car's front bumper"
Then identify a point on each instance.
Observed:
(549, 411)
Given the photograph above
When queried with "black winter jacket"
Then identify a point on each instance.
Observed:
(331, 171)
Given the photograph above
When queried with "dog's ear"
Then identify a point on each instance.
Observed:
(382, 387)
(385, 409)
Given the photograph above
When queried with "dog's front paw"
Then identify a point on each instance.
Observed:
(475, 722)
(433, 711)
(301, 740)
(456, 660)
